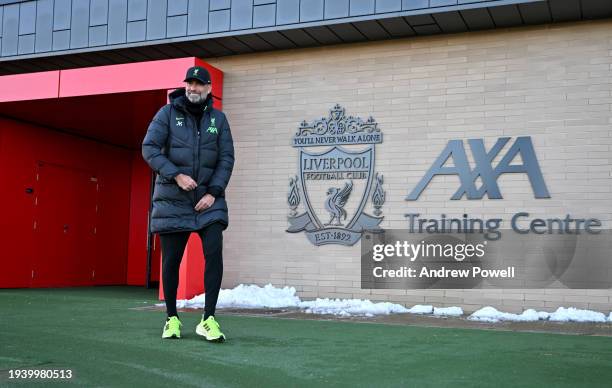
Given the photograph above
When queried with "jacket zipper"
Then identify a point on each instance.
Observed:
(195, 158)
(197, 166)
(198, 145)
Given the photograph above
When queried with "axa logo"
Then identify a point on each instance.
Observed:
(482, 179)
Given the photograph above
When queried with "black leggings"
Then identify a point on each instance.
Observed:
(173, 247)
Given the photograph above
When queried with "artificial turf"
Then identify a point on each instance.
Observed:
(97, 334)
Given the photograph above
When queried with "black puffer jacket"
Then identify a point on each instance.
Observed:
(174, 144)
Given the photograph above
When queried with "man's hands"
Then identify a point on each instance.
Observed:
(185, 182)
(205, 202)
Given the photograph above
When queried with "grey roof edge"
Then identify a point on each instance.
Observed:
(250, 31)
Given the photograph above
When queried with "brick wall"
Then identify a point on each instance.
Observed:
(550, 82)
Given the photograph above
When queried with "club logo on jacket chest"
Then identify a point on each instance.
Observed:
(212, 128)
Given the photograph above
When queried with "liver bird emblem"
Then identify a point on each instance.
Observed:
(334, 204)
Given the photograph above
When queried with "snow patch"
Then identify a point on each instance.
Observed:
(448, 311)
(421, 309)
(491, 314)
(571, 314)
(253, 296)
(349, 307)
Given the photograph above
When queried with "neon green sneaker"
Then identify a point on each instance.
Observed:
(172, 328)
(209, 329)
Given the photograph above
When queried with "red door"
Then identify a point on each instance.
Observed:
(65, 227)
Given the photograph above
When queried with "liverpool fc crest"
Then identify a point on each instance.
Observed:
(335, 183)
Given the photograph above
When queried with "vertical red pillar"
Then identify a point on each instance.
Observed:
(191, 273)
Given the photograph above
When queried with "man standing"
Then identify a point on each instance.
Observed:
(189, 145)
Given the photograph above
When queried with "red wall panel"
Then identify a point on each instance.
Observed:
(113, 214)
(65, 218)
(22, 146)
(16, 223)
(139, 213)
(30, 86)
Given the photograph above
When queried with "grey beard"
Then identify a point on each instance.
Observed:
(196, 98)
